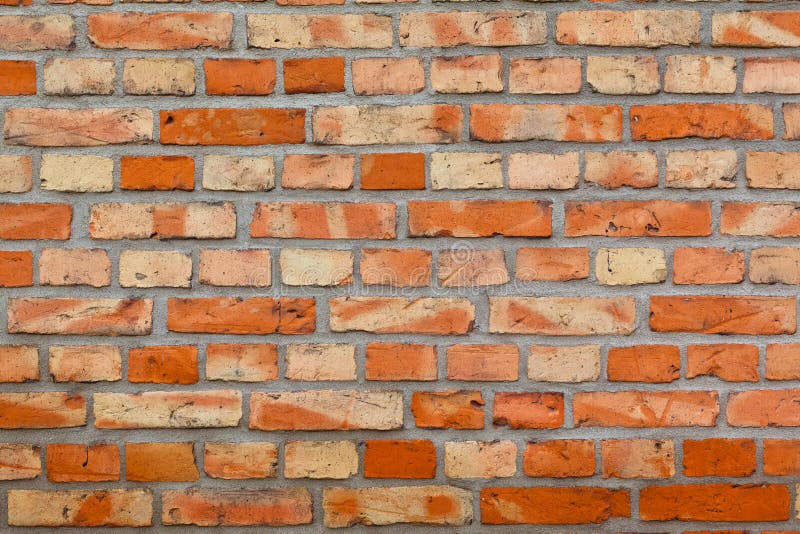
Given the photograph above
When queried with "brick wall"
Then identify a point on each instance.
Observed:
(333, 263)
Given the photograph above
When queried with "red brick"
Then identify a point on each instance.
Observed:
(707, 266)
(763, 408)
(781, 457)
(490, 363)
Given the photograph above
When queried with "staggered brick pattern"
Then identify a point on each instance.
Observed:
(331, 263)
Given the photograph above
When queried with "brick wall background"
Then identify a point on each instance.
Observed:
(331, 264)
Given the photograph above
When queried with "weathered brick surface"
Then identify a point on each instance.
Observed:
(312, 264)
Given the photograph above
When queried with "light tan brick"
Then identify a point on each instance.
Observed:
(623, 75)
(151, 268)
(320, 459)
(630, 266)
(72, 267)
(580, 363)
(307, 267)
(320, 361)
(480, 459)
(79, 174)
(79, 76)
(543, 171)
(700, 74)
(158, 76)
(466, 170)
(238, 173)
(702, 169)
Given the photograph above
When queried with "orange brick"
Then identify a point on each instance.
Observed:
(393, 171)
(236, 77)
(397, 361)
(17, 78)
(729, 362)
(399, 459)
(552, 505)
(157, 173)
(644, 363)
(718, 457)
(560, 458)
(67, 462)
(528, 410)
(163, 365)
(160, 462)
(396, 267)
(313, 75)
(707, 266)
(16, 268)
(483, 362)
(232, 126)
(448, 409)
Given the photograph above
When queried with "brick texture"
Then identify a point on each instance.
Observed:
(335, 264)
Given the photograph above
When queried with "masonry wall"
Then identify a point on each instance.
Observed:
(331, 263)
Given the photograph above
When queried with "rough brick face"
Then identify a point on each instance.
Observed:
(317, 264)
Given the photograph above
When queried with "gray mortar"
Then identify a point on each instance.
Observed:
(245, 203)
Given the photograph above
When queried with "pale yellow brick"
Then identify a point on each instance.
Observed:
(580, 363)
(320, 459)
(700, 74)
(316, 267)
(16, 174)
(78, 174)
(154, 268)
(238, 173)
(630, 266)
(480, 459)
(466, 170)
(158, 76)
(320, 361)
(543, 171)
(79, 76)
(702, 169)
(623, 75)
